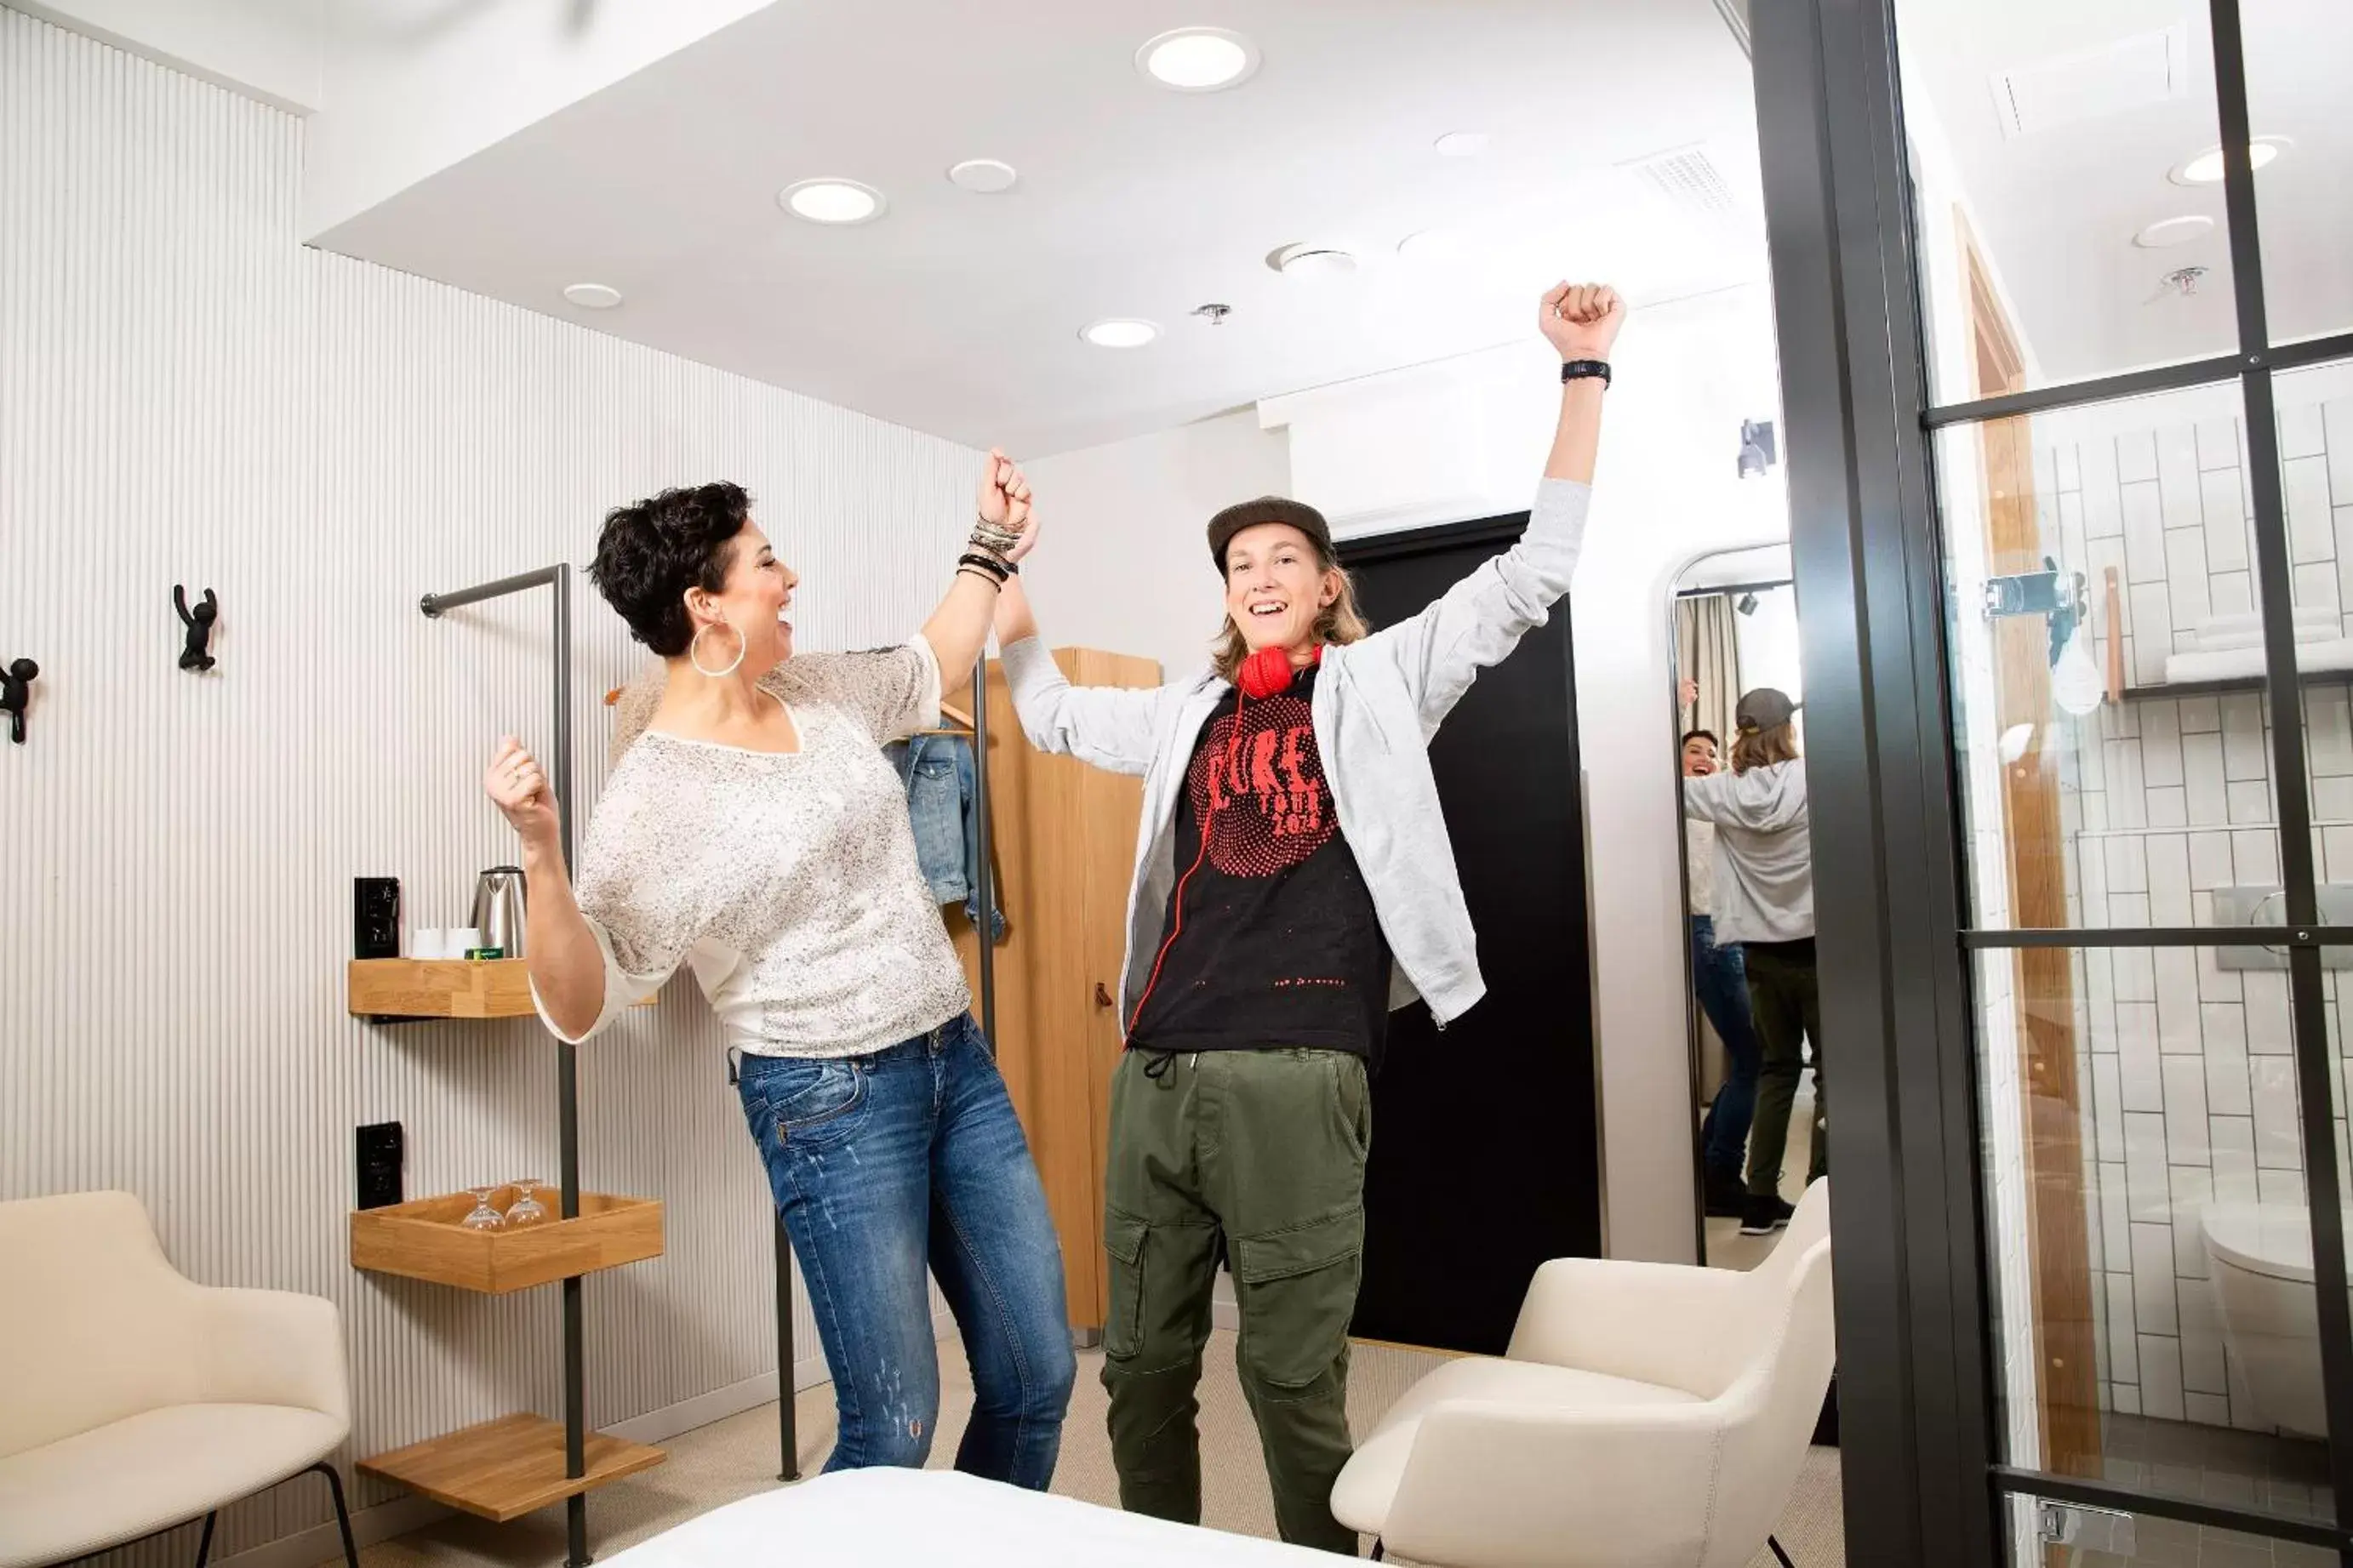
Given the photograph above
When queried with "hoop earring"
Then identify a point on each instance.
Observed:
(694, 651)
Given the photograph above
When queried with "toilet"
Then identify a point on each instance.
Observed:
(2260, 1257)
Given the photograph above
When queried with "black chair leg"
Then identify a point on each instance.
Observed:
(204, 1543)
(1776, 1544)
(342, 1514)
(1379, 1551)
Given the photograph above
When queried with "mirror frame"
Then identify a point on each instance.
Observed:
(1693, 1018)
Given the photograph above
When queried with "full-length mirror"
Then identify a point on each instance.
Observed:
(1756, 1070)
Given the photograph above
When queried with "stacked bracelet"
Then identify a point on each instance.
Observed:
(986, 565)
(994, 538)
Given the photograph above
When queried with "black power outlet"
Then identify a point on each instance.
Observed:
(375, 917)
(381, 1152)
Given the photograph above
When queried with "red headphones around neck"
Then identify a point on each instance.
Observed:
(1268, 672)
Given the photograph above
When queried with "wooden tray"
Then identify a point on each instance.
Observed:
(505, 1468)
(424, 1240)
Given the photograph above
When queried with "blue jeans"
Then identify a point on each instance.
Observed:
(1720, 976)
(882, 1165)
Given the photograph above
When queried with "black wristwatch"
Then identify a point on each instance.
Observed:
(1585, 369)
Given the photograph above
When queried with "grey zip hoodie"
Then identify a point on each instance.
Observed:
(1377, 702)
(1764, 851)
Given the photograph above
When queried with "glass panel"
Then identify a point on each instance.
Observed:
(2314, 410)
(2114, 780)
(2298, 55)
(2142, 1170)
(2053, 246)
(2105, 1538)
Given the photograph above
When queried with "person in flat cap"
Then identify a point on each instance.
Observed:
(1764, 893)
(1293, 883)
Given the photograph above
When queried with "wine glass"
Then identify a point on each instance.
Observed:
(527, 1209)
(483, 1216)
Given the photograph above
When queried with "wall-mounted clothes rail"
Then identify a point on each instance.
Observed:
(557, 579)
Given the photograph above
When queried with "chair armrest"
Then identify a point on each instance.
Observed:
(1498, 1486)
(1654, 1322)
(274, 1347)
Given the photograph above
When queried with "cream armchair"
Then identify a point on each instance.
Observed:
(1645, 1415)
(135, 1399)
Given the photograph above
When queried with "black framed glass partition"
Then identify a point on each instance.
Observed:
(2067, 367)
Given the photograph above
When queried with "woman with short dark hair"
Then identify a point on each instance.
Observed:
(1720, 980)
(754, 832)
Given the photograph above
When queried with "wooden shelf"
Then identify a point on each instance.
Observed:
(392, 988)
(424, 1240)
(438, 988)
(505, 1468)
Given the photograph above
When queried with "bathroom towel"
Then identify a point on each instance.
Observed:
(2225, 664)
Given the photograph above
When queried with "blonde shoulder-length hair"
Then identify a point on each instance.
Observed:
(1339, 622)
(1763, 748)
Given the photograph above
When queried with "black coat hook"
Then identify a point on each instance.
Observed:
(16, 690)
(199, 622)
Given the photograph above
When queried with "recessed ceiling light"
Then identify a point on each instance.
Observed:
(1435, 244)
(2174, 231)
(831, 201)
(1198, 59)
(987, 176)
(1120, 332)
(1460, 144)
(592, 296)
(2206, 169)
(1311, 261)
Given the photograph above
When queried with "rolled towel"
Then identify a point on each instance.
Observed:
(2219, 633)
(2231, 663)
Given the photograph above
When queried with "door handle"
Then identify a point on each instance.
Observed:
(1102, 997)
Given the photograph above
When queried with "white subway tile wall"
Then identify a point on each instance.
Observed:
(2188, 1071)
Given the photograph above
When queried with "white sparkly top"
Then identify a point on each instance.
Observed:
(787, 881)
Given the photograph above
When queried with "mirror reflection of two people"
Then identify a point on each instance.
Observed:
(1752, 933)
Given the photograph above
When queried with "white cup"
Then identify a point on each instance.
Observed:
(457, 940)
(425, 942)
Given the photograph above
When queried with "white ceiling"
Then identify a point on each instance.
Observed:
(2057, 209)
(958, 314)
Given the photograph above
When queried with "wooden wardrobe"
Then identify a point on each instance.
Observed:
(1065, 848)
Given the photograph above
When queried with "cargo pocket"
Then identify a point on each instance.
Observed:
(1297, 1289)
(1123, 1239)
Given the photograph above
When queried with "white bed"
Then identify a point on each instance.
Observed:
(890, 1516)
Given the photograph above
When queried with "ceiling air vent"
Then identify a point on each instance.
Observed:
(2091, 84)
(1687, 179)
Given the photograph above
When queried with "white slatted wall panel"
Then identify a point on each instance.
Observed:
(187, 395)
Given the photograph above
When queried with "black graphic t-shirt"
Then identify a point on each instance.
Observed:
(1274, 941)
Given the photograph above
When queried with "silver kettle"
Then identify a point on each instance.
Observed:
(499, 909)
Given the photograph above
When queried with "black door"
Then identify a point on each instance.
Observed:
(1486, 1151)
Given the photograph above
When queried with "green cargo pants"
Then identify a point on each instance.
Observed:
(1264, 1152)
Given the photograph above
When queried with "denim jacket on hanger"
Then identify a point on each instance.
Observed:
(943, 784)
